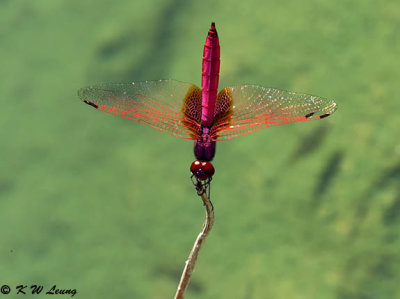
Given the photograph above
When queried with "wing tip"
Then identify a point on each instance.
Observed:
(83, 95)
(83, 92)
(329, 110)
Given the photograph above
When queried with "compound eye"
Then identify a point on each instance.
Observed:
(202, 170)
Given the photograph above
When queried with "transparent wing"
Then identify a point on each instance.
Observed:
(245, 109)
(166, 105)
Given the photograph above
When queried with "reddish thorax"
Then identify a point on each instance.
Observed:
(210, 77)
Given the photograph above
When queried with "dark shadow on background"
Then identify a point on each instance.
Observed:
(354, 294)
(383, 266)
(329, 172)
(309, 143)
(160, 54)
(249, 291)
(392, 213)
(115, 47)
(155, 63)
(390, 174)
(5, 186)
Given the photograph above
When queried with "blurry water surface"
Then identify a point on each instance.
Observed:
(104, 205)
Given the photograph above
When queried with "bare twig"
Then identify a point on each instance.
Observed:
(191, 261)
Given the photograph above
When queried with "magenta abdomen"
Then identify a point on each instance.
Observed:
(210, 77)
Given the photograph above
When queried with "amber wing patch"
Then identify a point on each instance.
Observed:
(191, 110)
(223, 112)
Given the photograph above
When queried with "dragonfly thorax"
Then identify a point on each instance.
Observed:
(204, 147)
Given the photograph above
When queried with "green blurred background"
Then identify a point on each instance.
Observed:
(104, 205)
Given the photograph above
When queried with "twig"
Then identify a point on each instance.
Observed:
(191, 261)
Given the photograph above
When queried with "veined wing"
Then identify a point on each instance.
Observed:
(245, 109)
(166, 105)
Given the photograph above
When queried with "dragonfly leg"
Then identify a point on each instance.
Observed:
(201, 186)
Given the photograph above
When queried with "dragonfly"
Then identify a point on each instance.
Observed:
(203, 114)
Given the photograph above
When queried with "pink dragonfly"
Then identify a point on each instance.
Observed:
(205, 115)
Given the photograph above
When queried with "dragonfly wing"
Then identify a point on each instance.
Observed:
(245, 109)
(167, 105)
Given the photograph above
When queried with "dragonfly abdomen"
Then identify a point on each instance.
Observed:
(210, 76)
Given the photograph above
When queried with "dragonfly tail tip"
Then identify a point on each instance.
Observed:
(213, 31)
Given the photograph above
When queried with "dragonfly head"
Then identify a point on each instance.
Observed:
(202, 170)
